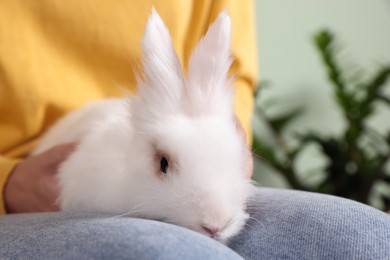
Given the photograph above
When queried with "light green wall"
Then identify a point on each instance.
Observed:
(290, 62)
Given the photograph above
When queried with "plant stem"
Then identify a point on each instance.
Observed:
(378, 174)
(286, 170)
(278, 137)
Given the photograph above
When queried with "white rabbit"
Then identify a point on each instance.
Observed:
(173, 152)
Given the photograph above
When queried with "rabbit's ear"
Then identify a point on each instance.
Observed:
(208, 82)
(161, 66)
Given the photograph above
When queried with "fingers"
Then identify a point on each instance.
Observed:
(250, 167)
(59, 153)
(50, 194)
(249, 163)
(239, 128)
(32, 185)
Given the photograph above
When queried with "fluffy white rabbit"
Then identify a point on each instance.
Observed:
(173, 152)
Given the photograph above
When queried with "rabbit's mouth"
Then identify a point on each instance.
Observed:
(223, 232)
(234, 227)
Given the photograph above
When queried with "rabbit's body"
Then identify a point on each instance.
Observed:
(104, 128)
(173, 152)
(82, 121)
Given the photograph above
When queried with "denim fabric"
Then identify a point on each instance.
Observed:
(284, 225)
(290, 224)
(86, 236)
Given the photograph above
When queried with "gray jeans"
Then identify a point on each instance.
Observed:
(284, 225)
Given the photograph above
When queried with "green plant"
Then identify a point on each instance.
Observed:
(354, 167)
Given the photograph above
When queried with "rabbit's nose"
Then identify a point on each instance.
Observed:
(211, 231)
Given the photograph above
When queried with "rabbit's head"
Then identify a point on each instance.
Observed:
(186, 126)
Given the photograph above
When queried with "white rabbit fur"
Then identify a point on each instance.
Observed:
(188, 120)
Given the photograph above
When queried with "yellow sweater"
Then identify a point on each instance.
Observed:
(57, 55)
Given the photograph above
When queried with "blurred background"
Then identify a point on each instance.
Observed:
(293, 75)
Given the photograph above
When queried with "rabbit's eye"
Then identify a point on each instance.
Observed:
(164, 165)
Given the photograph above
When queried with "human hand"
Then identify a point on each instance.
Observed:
(32, 185)
(249, 163)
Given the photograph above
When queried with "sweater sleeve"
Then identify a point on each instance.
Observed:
(6, 166)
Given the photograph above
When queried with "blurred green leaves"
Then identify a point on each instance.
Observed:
(353, 168)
